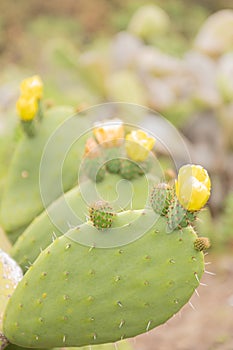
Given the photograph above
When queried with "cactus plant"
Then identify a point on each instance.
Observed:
(102, 263)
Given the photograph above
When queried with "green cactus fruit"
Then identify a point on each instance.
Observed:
(161, 197)
(74, 295)
(101, 215)
(178, 216)
(71, 211)
(113, 158)
(202, 243)
(129, 169)
(21, 201)
(113, 166)
(94, 169)
(10, 275)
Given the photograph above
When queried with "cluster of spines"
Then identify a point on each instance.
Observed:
(101, 215)
(202, 243)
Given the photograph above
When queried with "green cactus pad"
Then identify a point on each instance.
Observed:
(21, 201)
(10, 275)
(43, 229)
(77, 295)
(121, 345)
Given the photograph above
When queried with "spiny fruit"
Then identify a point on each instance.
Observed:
(113, 160)
(202, 243)
(129, 169)
(161, 196)
(101, 215)
(76, 294)
(178, 217)
(113, 166)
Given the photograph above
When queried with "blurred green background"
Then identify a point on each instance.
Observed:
(174, 56)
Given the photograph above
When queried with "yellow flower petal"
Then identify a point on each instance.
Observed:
(32, 87)
(138, 145)
(27, 108)
(193, 187)
(109, 133)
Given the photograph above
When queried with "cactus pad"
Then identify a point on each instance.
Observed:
(75, 295)
(21, 201)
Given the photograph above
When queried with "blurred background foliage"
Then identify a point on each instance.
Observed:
(162, 56)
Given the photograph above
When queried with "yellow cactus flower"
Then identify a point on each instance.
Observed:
(27, 108)
(109, 133)
(138, 145)
(32, 87)
(193, 187)
(91, 149)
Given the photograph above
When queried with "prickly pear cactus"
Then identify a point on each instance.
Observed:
(21, 201)
(105, 261)
(10, 275)
(71, 288)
